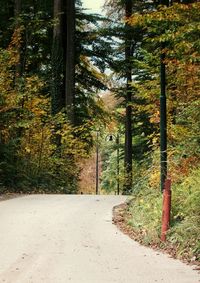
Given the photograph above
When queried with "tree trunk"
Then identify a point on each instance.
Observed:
(58, 57)
(17, 12)
(128, 123)
(58, 68)
(70, 59)
(17, 9)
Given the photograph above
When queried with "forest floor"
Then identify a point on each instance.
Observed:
(121, 217)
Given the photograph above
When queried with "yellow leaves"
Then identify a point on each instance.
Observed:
(154, 179)
(31, 96)
(178, 133)
(74, 140)
(155, 140)
(14, 46)
(5, 135)
(33, 138)
(16, 38)
(36, 106)
(6, 74)
(176, 13)
(7, 91)
(141, 201)
(155, 118)
(34, 84)
(27, 149)
(112, 126)
(91, 68)
(20, 97)
(136, 19)
(14, 57)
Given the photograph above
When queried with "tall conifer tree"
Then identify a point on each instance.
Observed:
(58, 57)
(128, 119)
(70, 59)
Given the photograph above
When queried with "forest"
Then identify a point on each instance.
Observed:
(72, 82)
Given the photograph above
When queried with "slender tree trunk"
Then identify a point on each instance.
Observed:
(17, 12)
(128, 123)
(70, 59)
(19, 70)
(40, 151)
(63, 57)
(17, 9)
(58, 68)
(58, 57)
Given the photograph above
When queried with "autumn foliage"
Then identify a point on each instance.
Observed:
(29, 161)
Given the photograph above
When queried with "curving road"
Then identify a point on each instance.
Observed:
(61, 239)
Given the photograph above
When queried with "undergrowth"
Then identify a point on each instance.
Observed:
(183, 238)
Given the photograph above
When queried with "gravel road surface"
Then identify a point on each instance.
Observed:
(61, 239)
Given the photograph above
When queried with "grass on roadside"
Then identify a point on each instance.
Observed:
(183, 239)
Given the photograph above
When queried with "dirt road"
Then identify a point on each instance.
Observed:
(61, 239)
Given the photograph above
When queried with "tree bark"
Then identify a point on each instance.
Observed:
(128, 119)
(17, 12)
(58, 57)
(58, 68)
(70, 59)
(17, 9)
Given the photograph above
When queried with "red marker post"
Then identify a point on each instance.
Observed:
(166, 209)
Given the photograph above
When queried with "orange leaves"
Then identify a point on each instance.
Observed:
(155, 118)
(14, 46)
(16, 38)
(183, 168)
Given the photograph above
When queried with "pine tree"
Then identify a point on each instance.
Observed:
(128, 123)
(58, 58)
(70, 59)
